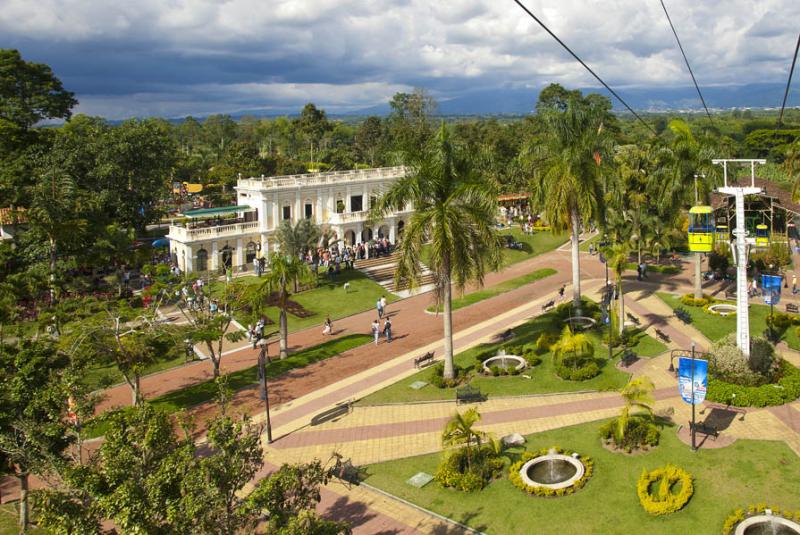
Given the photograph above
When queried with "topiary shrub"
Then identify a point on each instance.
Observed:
(641, 433)
(690, 300)
(437, 379)
(786, 390)
(730, 364)
(456, 472)
(533, 360)
(517, 481)
(661, 500)
(587, 370)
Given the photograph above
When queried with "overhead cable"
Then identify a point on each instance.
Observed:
(585, 66)
(789, 82)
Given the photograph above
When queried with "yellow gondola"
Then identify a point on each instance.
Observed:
(722, 234)
(762, 236)
(701, 229)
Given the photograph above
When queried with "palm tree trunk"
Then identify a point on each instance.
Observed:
(284, 342)
(447, 318)
(698, 277)
(23, 502)
(621, 307)
(576, 265)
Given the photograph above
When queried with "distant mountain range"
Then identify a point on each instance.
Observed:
(504, 101)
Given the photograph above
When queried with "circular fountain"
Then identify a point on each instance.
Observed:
(553, 471)
(767, 525)
(504, 362)
(580, 322)
(722, 309)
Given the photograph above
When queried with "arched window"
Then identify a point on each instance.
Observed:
(202, 260)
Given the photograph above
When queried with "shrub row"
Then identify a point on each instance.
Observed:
(517, 481)
(590, 369)
(664, 501)
(690, 300)
(740, 515)
(786, 390)
(437, 376)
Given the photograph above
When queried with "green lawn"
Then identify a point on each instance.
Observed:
(543, 378)
(532, 245)
(9, 519)
(715, 327)
(328, 298)
(503, 287)
(746, 472)
(207, 391)
(584, 245)
(104, 375)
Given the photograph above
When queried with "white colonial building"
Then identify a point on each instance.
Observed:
(232, 236)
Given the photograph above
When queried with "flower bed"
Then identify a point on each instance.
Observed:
(691, 301)
(786, 390)
(664, 501)
(516, 479)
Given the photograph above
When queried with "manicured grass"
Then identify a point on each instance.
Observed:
(749, 471)
(9, 520)
(104, 375)
(715, 327)
(584, 245)
(658, 268)
(646, 346)
(503, 287)
(328, 298)
(543, 377)
(207, 391)
(533, 245)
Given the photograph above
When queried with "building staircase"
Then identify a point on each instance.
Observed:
(382, 270)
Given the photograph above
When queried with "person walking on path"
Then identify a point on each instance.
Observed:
(794, 283)
(383, 304)
(387, 330)
(379, 306)
(561, 293)
(376, 330)
(328, 326)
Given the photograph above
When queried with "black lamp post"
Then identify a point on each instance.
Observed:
(607, 297)
(262, 375)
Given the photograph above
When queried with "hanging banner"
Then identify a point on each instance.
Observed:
(771, 288)
(692, 380)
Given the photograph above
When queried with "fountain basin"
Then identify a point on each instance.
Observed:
(552, 471)
(767, 525)
(722, 309)
(505, 362)
(581, 322)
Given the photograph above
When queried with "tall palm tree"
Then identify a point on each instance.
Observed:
(568, 188)
(283, 270)
(637, 393)
(454, 211)
(297, 239)
(617, 257)
(460, 430)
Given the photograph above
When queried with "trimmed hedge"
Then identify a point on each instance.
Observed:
(516, 479)
(664, 501)
(786, 390)
(739, 515)
(590, 369)
(689, 300)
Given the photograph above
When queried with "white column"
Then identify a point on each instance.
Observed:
(264, 245)
(298, 207)
(214, 256)
(189, 266)
(347, 207)
(239, 255)
(263, 215)
(318, 208)
(358, 233)
(275, 214)
(392, 231)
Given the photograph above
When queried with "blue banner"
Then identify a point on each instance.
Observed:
(692, 380)
(771, 288)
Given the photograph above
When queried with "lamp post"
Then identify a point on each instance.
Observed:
(607, 297)
(262, 375)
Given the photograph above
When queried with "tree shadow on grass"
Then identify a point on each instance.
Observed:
(465, 519)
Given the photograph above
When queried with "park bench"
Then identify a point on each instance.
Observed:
(632, 318)
(628, 358)
(547, 306)
(664, 337)
(682, 315)
(424, 360)
(330, 414)
(791, 307)
(702, 427)
(505, 336)
(467, 394)
(730, 294)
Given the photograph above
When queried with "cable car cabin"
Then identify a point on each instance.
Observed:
(701, 229)
(722, 234)
(762, 236)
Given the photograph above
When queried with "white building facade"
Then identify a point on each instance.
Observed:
(339, 201)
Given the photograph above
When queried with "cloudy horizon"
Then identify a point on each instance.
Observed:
(195, 57)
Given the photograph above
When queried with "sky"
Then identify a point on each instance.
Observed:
(174, 58)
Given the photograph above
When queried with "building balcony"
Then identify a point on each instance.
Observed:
(184, 234)
(335, 178)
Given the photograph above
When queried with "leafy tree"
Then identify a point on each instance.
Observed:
(30, 92)
(460, 430)
(283, 270)
(569, 160)
(298, 239)
(313, 124)
(454, 210)
(370, 140)
(409, 121)
(34, 387)
(617, 257)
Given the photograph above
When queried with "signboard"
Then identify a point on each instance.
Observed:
(771, 288)
(692, 380)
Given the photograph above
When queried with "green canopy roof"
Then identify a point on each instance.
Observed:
(204, 212)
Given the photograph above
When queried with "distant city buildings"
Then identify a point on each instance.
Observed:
(214, 239)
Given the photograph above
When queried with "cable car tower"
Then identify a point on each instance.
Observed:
(740, 246)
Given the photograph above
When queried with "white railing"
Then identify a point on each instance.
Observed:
(349, 217)
(318, 179)
(183, 234)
